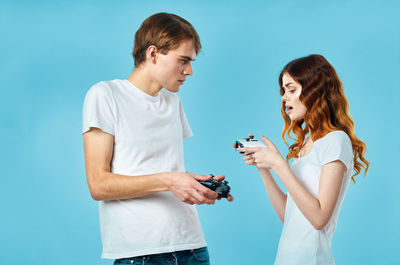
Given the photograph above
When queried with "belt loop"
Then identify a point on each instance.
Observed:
(174, 259)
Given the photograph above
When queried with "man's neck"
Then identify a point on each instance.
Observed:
(142, 79)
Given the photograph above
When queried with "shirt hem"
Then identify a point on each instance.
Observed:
(97, 125)
(152, 251)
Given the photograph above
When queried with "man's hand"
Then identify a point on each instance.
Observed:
(186, 187)
(221, 178)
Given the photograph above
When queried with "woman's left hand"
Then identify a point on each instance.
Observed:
(264, 157)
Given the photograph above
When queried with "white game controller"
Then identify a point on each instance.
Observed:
(249, 142)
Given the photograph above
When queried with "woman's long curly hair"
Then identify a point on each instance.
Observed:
(327, 107)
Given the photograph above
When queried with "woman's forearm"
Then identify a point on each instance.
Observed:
(311, 207)
(275, 194)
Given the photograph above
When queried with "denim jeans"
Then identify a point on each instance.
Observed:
(186, 257)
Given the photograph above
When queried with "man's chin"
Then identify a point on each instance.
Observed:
(173, 89)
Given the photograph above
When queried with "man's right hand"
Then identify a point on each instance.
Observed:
(186, 187)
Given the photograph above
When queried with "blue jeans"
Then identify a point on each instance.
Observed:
(185, 257)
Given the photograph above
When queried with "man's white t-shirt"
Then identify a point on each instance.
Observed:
(301, 243)
(148, 138)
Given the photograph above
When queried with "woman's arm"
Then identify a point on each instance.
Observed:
(318, 210)
(275, 194)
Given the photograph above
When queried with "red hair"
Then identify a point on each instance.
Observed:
(327, 107)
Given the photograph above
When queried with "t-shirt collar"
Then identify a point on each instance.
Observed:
(142, 94)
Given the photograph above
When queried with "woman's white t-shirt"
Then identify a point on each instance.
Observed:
(148, 138)
(301, 243)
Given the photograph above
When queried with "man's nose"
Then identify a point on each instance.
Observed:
(188, 69)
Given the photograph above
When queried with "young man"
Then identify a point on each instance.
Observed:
(133, 133)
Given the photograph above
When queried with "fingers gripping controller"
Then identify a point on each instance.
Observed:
(249, 142)
(220, 187)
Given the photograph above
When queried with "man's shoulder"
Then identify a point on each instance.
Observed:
(105, 87)
(108, 84)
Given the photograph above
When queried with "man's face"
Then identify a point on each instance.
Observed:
(172, 68)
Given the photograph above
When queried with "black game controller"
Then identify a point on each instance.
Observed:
(220, 187)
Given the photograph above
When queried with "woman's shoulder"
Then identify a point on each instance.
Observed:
(337, 136)
(335, 145)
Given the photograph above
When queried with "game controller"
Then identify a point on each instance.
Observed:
(249, 142)
(220, 187)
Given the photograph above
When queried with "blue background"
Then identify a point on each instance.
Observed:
(52, 52)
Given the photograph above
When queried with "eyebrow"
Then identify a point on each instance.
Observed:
(187, 58)
(286, 85)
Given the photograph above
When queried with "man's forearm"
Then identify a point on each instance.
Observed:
(109, 186)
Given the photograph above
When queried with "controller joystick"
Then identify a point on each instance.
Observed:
(220, 187)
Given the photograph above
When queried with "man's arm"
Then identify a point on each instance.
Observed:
(104, 185)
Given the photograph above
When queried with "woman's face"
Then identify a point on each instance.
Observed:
(294, 108)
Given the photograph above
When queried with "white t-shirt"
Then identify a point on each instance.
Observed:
(148, 133)
(301, 243)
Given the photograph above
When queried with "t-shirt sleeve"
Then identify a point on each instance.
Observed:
(99, 109)
(186, 130)
(336, 146)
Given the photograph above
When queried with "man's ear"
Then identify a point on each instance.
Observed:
(151, 54)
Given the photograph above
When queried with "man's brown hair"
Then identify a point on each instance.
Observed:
(165, 31)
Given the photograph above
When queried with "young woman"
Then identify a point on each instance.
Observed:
(326, 152)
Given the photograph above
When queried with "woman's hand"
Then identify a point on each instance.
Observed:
(248, 158)
(263, 157)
